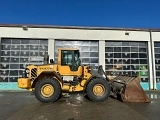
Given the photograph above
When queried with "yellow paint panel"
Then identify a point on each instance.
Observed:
(24, 83)
(65, 70)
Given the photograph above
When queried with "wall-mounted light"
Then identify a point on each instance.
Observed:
(126, 33)
(25, 28)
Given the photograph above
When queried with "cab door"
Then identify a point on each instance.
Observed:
(70, 63)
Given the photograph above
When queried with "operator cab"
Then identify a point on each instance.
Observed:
(70, 57)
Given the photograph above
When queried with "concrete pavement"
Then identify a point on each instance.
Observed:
(15, 105)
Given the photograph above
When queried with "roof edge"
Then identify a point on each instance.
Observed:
(80, 27)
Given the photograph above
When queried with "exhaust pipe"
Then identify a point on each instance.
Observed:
(46, 58)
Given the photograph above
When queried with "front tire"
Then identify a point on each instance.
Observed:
(98, 90)
(47, 90)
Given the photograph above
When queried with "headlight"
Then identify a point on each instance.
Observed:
(27, 72)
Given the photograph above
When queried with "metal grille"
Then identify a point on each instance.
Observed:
(34, 73)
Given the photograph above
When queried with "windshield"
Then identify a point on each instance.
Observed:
(66, 57)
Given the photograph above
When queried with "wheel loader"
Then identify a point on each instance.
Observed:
(50, 80)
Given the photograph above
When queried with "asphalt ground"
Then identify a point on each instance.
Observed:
(24, 106)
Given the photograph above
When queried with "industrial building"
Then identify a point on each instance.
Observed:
(134, 51)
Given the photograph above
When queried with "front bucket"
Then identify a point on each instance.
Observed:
(128, 89)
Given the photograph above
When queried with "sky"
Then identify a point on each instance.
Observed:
(90, 13)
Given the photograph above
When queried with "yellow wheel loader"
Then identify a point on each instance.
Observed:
(50, 80)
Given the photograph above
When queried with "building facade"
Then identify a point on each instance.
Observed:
(135, 51)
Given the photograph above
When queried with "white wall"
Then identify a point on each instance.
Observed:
(102, 53)
(155, 36)
(51, 48)
(80, 34)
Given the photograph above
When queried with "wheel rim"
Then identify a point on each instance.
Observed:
(98, 90)
(47, 90)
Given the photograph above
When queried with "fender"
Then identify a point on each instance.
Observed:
(98, 74)
(48, 74)
(91, 78)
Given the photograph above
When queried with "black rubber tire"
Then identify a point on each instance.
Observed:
(57, 90)
(92, 96)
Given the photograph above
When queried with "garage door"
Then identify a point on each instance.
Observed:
(157, 63)
(16, 53)
(88, 50)
(129, 58)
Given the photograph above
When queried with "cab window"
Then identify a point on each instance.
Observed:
(66, 57)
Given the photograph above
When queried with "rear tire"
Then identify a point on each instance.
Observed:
(98, 90)
(47, 90)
